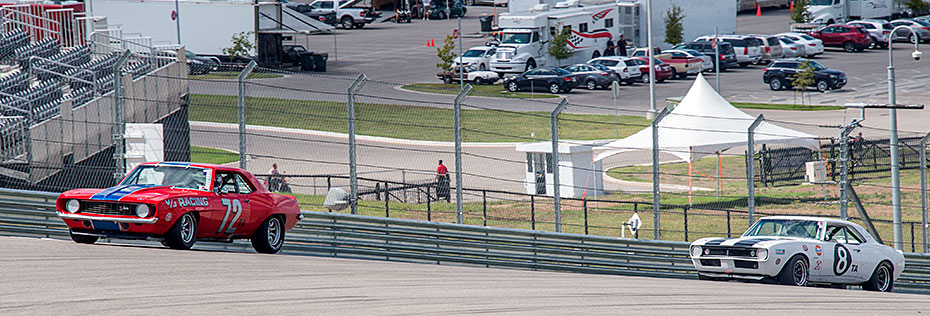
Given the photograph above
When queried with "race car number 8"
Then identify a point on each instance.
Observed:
(234, 206)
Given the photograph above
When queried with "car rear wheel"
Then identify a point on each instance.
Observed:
(873, 43)
(82, 239)
(674, 73)
(269, 237)
(530, 65)
(347, 22)
(849, 47)
(795, 272)
(554, 88)
(775, 83)
(822, 85)
(881, 280)
(482, 67)
(478, 81)
(644, 78)
(590, 84)
(447, 79)
(512, 87)
(183, 234)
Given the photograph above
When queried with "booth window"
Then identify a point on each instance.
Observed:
(548, 163)
(609, 23)
(583, 27)
(529, 162)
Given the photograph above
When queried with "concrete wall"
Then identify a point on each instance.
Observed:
(701, 16)
(87, 130)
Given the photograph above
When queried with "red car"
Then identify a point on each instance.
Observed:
(663, 70)
(850, 38)
(180, 203)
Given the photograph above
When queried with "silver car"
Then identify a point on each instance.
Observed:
(812, 46)
(920, 27)
(879, 31)
(792, 49)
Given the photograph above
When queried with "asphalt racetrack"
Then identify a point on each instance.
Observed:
(58, 277)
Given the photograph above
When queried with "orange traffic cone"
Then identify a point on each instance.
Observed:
(791, 9)
(758, 10)
(432, 43)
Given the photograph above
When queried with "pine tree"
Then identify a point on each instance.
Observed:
(800, 13)
(558, 46)
(674, 30)
(446, 53)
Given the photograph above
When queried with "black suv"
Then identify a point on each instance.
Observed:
(780, 74)
(727, 55)
(553, 80)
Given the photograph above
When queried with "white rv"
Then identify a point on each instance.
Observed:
(525, 36)
(834, 11)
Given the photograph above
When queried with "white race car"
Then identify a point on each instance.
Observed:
(798, 250)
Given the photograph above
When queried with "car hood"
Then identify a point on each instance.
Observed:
(832, 72)
(467, 59)
(749, 242)
(130, 193)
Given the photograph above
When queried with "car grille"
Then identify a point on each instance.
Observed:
(730, 251)
(743, 264)
(710, 262)
(107, 208)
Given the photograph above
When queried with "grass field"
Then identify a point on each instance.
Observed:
(411, 122)
(492, 90)
(212, 155)
(235, 75)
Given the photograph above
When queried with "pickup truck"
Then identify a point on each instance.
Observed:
(478, 77)
(347, 15)
(325, 16)
(682, 66)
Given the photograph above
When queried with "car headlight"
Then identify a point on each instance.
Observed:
(695, 251)
(762, 254)
(73, 206)
(519, 59)
(143, 210)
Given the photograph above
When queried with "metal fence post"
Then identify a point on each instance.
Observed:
(584, 205)
(844, 169)
(750, 165)
(685, 212)
(241, 85)
(533, 212)
(923, 190)
(556, 186)
(119, 154)
(484, 206)
(387, 199)
(457, 122)
(353, 168)
(429, 207)
(656, 218)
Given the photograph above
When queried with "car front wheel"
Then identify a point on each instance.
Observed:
(269, 237)
(849, 47)
(822, 86)
(590, 84)
(795, 272)
(512, 87)
(881, 280)
(183, 234)
(554, 88)
(347, 23)
(644, 78)
(775, 84)
(82, 239)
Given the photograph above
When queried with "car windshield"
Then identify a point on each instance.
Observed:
(817, 66)
(822, 2)
(922, 23)
(785, 228)
(600, 67)
(693, 52)
(562, 72)
(807, 37)
(606, 62)
(516, 38)
(473, 53)
(785, 40)
(177, 176)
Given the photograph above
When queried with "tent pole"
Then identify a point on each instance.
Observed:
(719, 167)
(690, 167)
(750, 164)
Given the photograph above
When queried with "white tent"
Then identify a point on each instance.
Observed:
(702, 124)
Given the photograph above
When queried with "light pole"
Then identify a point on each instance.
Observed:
(893, 138)
(652, 70)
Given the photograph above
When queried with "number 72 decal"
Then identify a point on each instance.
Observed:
(234, 206)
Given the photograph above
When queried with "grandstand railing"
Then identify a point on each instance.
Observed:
(60, 24)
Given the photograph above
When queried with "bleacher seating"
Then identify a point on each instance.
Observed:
(14, 82)
(45, 92)
(12, 40)
(81, 96)
(12, 132)
(44, 48)
(74, 57)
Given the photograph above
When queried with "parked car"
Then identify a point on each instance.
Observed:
(325, 16)
(727, 56)
(850, 38)
(747, 51)
(623, 66)
(440, 11)
(475, 76)
(591, 77)
(663, 71)
(771, 47)
(498, 3)
(347, 15)
(553, 80)
(781, 73)
(797, 251)
(682, 65)
(707, 62)
(196, 64)
(879, 31)
(920, 27)
(180, 203)
(478, 56)
(790, 48)
(812, 46)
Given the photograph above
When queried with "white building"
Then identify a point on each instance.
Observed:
(579, 174)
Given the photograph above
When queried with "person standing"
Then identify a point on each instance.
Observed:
(426, 9)
(621, 46)
(273, 178)
(442, 182)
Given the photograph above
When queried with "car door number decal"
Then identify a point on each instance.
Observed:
(841, 260)
(234, 206)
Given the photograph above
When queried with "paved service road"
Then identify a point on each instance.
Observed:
(55, 277)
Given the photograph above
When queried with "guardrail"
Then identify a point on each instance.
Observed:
(31, 213)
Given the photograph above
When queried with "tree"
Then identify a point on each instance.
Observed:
(446, 53)
(917, 7)
(800, 13)
(804, 79)
(674, 29)
(241, 46)
(558, 46)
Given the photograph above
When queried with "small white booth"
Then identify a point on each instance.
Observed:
(579, 176)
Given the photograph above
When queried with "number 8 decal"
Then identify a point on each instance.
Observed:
(235, 207)
(841, 260)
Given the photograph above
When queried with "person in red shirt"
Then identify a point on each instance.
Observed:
(442, 182)
(441, 171)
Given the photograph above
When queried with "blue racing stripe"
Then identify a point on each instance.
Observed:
(715, 242)
(751, 242)
(118, 192)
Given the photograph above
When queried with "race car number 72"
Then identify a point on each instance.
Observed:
(234, 206)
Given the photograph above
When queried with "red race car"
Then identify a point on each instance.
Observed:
(180, 203)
